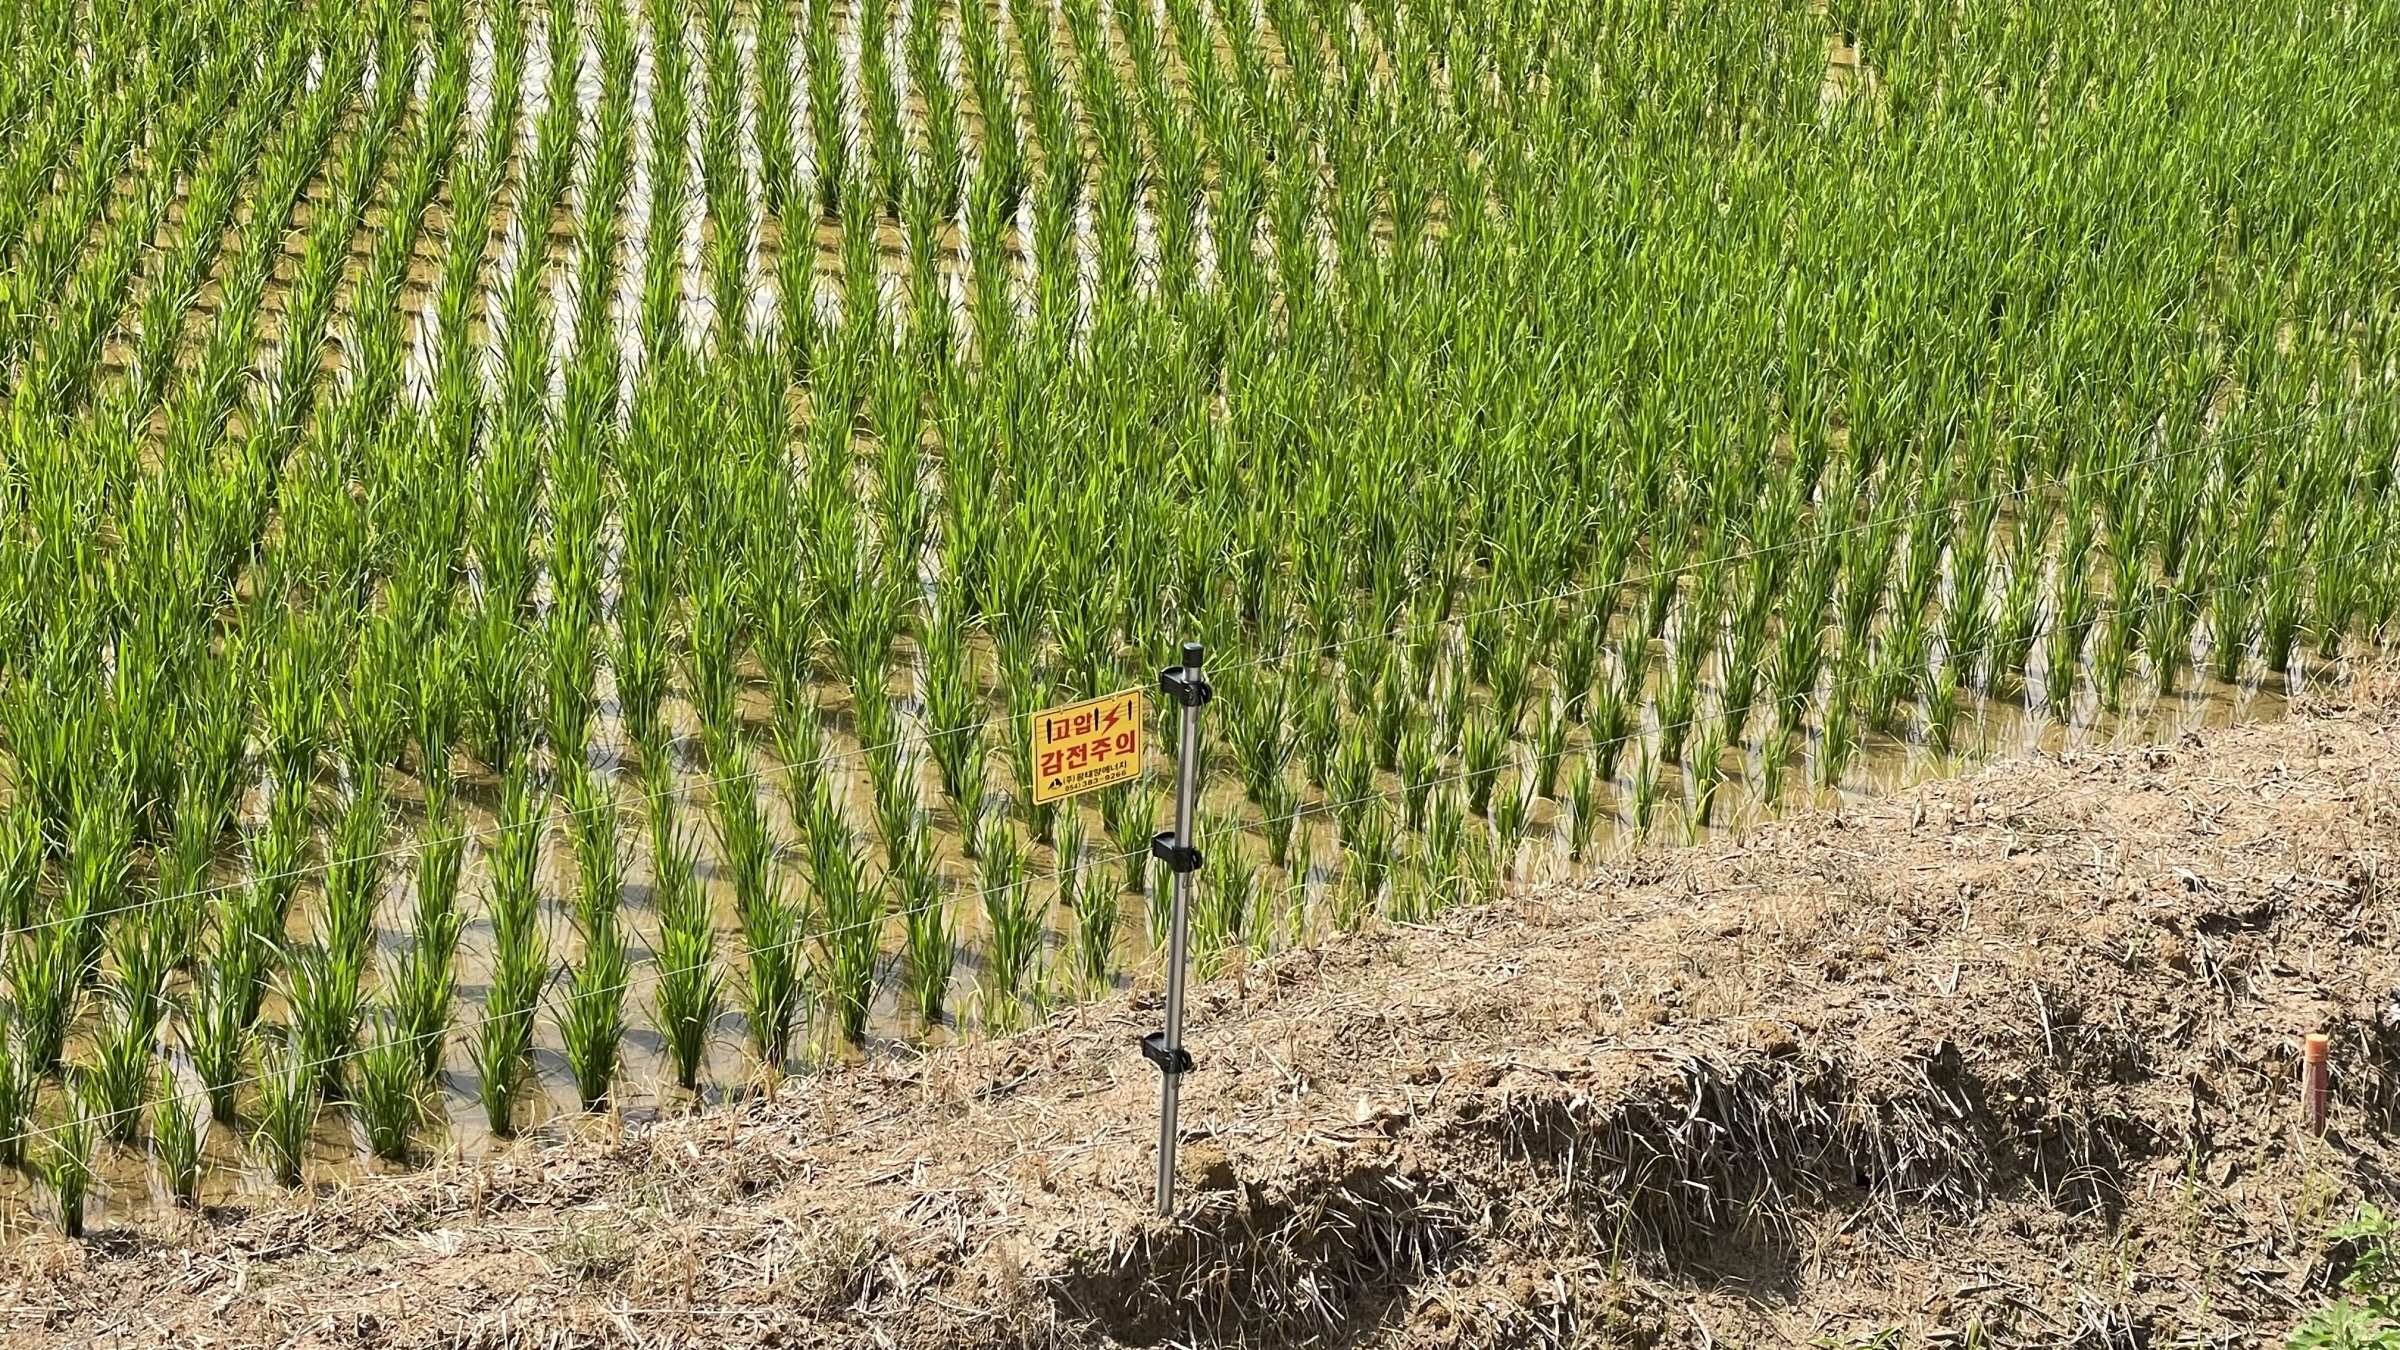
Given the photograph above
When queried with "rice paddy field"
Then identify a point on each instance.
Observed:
(530, 533)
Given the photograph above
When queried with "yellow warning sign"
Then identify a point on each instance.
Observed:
(1086, 746)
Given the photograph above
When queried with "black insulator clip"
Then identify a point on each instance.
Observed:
(1177, 857)
(1154, 1049)
(1184, 685)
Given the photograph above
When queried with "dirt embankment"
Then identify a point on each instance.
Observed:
(2010, 1060)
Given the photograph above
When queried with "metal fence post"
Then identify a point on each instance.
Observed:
(1190, 690)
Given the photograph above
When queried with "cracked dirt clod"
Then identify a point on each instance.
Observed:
(2013, 1059)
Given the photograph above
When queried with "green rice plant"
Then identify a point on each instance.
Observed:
(1257, 725)
(927, 941)
(22, 855)
(2340, 549)
(1512, 817)
(1775, 754)
(1583, 808)
(853, 913)
(1093, 901)
(1223, 902)
(1579, 661)
(1419, 766)
(499, 1048)
(591, 1016)
(176, 1137)
(1679, 700)
(1320, 731)
(1013, 918)
(2284, 602)
(115, 1083)
(569, 662)
(323, 988)
(422, 989)
(1704, 774)
(1550, 746)
(690, 982)
(1369, 848)
(216, 1035)
(20, 1092)
(66, 1164)
(639, 662)
(2021, 594)
(955, 737)
(503, 1038)
(140, 952)
(1393, 710)
(1615, 717)
(801, 748)
(1967, 625)
(1281, 820)
(1645, 787)
(45, 986)
(2074, 608)
(1025, 703)
(1837, 741)
(436, 716)
(2121, 622)
(1297, 911)
(181, 913)
(287, 1109)
(1939, 695)
(2174, 613)
(771, 992)
(389, 1102)
(1511, 679)
(1483, 750)
(1129, 815)
(1352, 783)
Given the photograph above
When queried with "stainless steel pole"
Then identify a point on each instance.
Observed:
(1185, 685)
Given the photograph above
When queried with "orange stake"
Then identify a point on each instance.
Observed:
(2315, 1095)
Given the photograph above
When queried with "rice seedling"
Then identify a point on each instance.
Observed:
(1939, 697)
(1225, 897)
(1369, 848)
(45, 985)
(177, 1137)
(521, 968)
(287, 1108)
(1483, 750)
(20, 1092)
(1550, 746)
(389, 1101)
(1320, 731)
(1645, 788)
(591, 1016)
(423, 988)
(928, 942)
(1512, 815)
(216, 1033)
(115, 1084)
(852, 911)
(1128, 815)
(690, 982)
(1583, 808)
(1013, 919)
(66, 1164)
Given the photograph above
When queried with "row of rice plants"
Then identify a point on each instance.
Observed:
(1541, 425)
